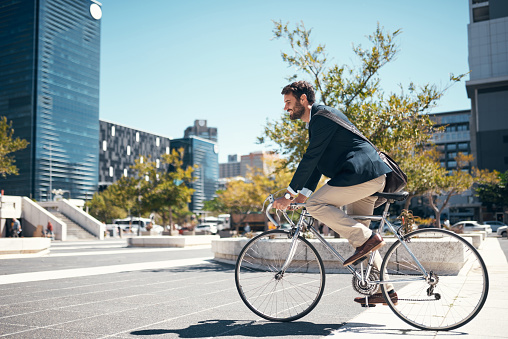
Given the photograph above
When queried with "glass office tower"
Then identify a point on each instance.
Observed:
(49, 81)
(204, 154)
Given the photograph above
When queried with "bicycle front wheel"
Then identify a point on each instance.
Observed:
(271, 293)
(452, 291)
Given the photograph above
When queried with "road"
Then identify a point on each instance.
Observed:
(107, 290)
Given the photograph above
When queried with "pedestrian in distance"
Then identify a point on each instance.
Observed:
(49, 230)
(16, 228)
(355, 170)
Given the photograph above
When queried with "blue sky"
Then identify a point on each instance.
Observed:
(166, 63)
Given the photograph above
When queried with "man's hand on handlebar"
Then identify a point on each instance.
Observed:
(284, 204)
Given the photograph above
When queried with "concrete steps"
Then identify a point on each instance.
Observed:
(74, 231)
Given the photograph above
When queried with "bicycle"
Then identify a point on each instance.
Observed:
(440, 278)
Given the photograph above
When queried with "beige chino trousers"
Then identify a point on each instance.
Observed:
(325, 203)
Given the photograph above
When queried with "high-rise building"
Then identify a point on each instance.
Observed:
(49, 81)
(488, 84)
(204, 154)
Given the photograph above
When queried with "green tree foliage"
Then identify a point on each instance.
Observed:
(8, 145)
(396, 123)
(494, 193)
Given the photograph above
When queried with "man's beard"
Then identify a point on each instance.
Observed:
(298, 111)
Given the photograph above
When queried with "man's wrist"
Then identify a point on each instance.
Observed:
(288, 196)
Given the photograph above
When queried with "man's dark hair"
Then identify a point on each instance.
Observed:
(298, 88)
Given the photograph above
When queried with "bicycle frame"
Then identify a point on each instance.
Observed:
(359, 274)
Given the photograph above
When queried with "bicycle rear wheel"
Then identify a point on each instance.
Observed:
(456, 285)
(276, 295)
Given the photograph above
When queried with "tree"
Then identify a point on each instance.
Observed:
(8, 145)
(164, 191)
(106, 206)
(446, 185)
(397, 123)
(494, 193)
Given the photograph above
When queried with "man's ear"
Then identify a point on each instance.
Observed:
(303, 98)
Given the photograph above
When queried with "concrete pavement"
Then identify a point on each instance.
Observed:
(103, 289)
(381, 322)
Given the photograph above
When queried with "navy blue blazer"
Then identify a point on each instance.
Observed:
(336, 153)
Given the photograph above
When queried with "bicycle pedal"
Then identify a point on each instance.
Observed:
(359, 261)
(368, 305)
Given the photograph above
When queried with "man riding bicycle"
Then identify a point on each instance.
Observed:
(355, 170)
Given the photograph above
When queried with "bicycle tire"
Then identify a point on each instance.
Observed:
(285, 298)
(459, 273)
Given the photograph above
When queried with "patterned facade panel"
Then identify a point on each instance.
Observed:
(121, 146)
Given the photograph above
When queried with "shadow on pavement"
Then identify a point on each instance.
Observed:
(257, 329)
(213, 266)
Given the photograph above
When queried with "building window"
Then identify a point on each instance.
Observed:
(125, 172)
(141, 159)
(104, 145)
(157, 141)
(481, 14)
(111, 171)
(167, 150)
(113, 131)
(157, 163)
(128, 150)
(137, 136)
(451, 147)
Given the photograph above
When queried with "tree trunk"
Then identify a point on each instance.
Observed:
(408, 201)
(171, 219)
(432, 205)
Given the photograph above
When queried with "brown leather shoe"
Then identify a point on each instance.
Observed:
(375, 242)
(378, 299)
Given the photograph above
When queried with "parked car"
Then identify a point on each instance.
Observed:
(502, 231)
(494, 224)
(471, 226)
(206, 227)
(132, 225)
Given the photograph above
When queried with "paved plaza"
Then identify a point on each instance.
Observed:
(103, 289)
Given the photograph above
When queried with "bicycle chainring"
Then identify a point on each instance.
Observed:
(365, 288)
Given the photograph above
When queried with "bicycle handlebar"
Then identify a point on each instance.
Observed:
(269, 207)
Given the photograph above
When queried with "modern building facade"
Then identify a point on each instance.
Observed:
(488, 84)
(121, 146)
(202, 153)
(49, 80)
(456, 138)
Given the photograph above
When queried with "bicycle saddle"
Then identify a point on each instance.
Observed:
(397, 196)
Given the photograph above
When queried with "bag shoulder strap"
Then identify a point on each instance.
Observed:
(350, 127)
